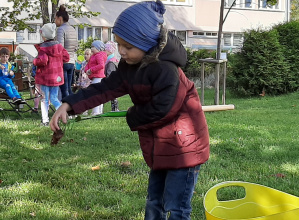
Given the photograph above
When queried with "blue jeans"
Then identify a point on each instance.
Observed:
(66, 88)
(170, 193)
(9, 86)
(52, 93)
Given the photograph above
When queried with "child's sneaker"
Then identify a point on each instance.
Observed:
(18, 101)
(15, 100)
(45, 124)
(22, 101)
(34, 110)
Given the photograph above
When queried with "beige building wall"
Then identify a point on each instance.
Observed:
(238, 19)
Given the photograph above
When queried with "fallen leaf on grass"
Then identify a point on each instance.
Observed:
(95, 168)
(56, 137)
(0, 181)
(84, 138)
(126, 164)
(279, 175)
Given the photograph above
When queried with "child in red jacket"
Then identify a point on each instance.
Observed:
(49, 74)
(95, 68)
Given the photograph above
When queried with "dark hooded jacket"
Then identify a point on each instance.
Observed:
(167, 113)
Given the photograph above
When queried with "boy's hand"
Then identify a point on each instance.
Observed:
(2, 67)
(11, 73)
(60, 114)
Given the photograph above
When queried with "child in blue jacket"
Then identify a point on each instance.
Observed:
(6, 76)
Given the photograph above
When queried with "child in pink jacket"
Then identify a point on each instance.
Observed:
(95, 69)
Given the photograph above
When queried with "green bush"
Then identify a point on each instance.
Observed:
(192, 68)
(260, 66)
(288, 36)
(84, 45)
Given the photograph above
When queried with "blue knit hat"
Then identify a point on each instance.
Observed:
(139, 24)
(99, 45)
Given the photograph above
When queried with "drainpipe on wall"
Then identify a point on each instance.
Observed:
(288, 10)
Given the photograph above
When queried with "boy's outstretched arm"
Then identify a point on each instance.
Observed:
(60, 114)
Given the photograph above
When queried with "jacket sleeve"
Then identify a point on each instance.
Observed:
(99, 93)
(86, 67)
(109, 68)
(41, 60)
(100, 59)
(168, 96)
(60, 36)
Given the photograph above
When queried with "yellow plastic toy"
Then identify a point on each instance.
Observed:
(260, 203)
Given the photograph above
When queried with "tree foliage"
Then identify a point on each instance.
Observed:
(260, 67)
(24, 12)
(193, 67)
(295, 10)
(83, 45)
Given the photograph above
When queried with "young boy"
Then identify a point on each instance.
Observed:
(6, 74)
(49, 74)
(167, 113)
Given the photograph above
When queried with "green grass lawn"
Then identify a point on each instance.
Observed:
(257, 142)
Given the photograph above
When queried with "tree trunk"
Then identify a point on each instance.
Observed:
(44, 10)
(54, 10)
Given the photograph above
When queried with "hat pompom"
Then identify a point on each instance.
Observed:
(158, 7)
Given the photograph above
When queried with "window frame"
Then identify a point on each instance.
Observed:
(95, 32)
(79, 33)
(233, 39)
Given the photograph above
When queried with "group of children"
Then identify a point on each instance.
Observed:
(99, 62)
(97, 65)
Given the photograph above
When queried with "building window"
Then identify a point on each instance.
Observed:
(237, 40)
(89, 32)
(80, 33)
(229, 3)
(182, 36)
(33, 33)
(198, 33)
(234, 40)
(98, 33)
(110, 34)
(238, 3)
(263, 5)
(172, 31)
(211, 34)
(248, 3)
(227, 39)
